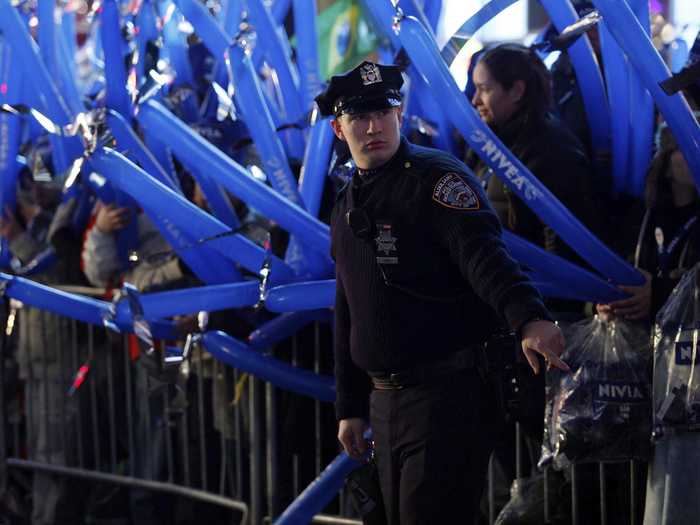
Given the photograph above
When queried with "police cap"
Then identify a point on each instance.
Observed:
(368, 87)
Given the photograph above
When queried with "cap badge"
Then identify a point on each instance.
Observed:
(370, 74)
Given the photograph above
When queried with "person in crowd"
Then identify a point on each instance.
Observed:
(569, 106)
(421, 271)
(566, 93)
(669, 237)
(668, 245)
(45, 341)
(153, 267)
(513, 96)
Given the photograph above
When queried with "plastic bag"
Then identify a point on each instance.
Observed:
(602, 409)
(526, 505)
(676, 375)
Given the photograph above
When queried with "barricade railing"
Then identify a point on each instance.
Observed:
(203, 432)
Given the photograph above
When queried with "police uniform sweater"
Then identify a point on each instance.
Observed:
(427, 281)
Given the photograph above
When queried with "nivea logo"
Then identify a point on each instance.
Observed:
(503, 164)
(684, 353)
(618, 392)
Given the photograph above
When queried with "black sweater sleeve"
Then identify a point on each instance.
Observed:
(473, 239)
(351, 383)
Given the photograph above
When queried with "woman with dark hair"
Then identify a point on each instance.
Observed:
(514, 96)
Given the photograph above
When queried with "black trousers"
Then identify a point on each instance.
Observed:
(432, 445)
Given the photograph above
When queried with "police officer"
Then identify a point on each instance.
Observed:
(421, 274)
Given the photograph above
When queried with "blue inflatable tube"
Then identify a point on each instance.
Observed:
(307, 52)
(159, 201)
(232, 16)
(278, 54)
(287, 377)
(433, 10)
(145, 21)
(10, 129)
(197, 151)
(425, 56)
(475, 22)
(218, 201)
(617, 81)
(382, 13)
(248, 97)
(285, 326)
(431, 111)
(69, 35)
(67, 70)
(301, 296)
(642, 118)
(129, 142)
(417, 103)
(175, 48)
(570, 280)
(207, 264)
(55, 56)
(44, 297)
(320, 492)
(651, 69)
(280, 8)
(115, 70)
(192, 300)
(317, 158)
(44, 92)
(163, 155)
(588, 74)
(78, 307)
(47, 36)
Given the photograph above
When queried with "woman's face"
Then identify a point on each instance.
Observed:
(494, 103)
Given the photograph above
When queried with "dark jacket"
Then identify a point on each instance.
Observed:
(427, 281)
(554, 155)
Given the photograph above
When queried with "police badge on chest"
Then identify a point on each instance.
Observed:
(386, 245)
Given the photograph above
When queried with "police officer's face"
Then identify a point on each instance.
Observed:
(494, 103)
(372, 137)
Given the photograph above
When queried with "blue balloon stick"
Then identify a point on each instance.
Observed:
(652, 70)
(588, 74)
(287, 377)
(177, 212)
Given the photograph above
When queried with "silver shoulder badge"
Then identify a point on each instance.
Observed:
(452, 191)
(370, 74)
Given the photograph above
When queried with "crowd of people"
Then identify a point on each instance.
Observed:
(536, 113)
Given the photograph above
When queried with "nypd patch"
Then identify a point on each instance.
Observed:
(453, 192)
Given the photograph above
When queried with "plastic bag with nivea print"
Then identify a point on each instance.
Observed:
(676, 360)
(601, 410)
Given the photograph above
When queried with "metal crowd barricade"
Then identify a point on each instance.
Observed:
(218, 437)
(81, 415)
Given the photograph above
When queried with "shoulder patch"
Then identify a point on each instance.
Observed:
(452, 191)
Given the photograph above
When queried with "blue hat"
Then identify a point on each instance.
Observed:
(368, 87)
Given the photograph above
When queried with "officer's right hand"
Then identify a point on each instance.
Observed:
(351, 436)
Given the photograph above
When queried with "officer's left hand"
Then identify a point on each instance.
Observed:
(544, 338)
